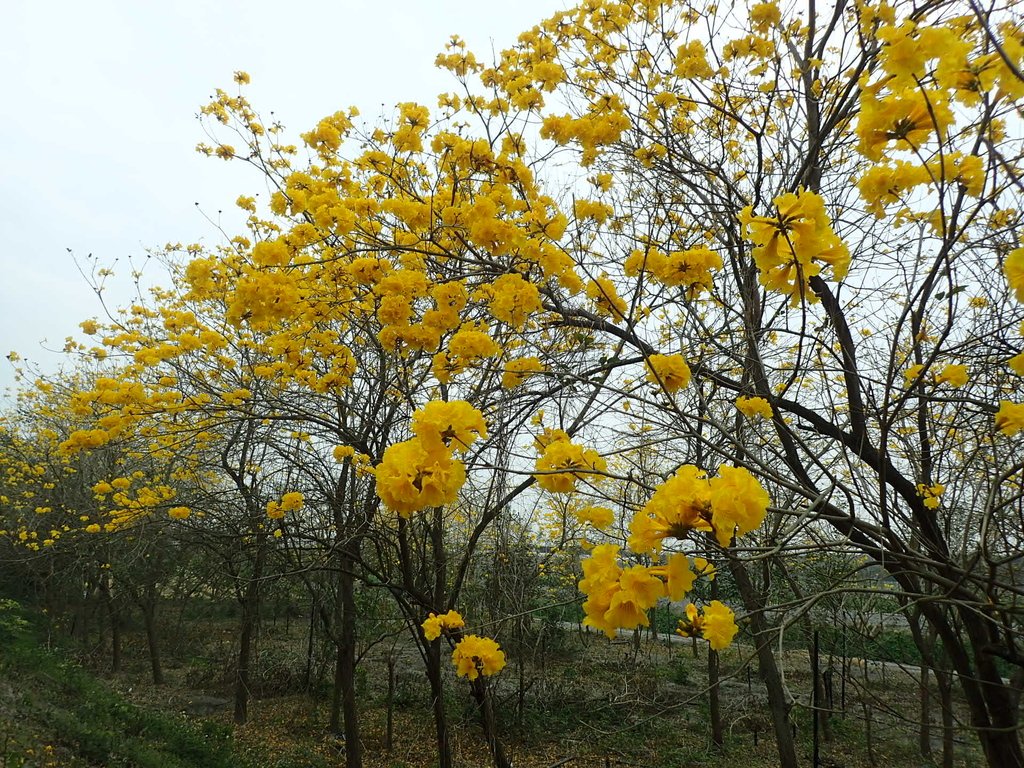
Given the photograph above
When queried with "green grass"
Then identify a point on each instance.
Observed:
(58, 714)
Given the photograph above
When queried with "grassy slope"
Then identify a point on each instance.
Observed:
(53, 713)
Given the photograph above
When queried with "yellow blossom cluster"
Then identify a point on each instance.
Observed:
(292, 501)
(599, 517)
(620, 598)
(562, 463)
(732, 503)
(716, 623)
(473, 656)
(794, 244)
(1010, 417)
(691, 269)
(931, 494)
(752, 407)
(422, 472)
(435, 624)
(476, 656)
(518, 370)
(513, 300)
(670, 372)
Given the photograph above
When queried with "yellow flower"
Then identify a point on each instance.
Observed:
(471, 343)
(719, 625)
(912, 374)
(954, 375)
(678, 576)
(1010, 418)
(908, 117)
(738, 503)
(475, 656)
(411, 478)
(691, 269)
(607, 299)
(679, 505)
(292, 502)
(764, 15)
(754, 406)
(179, 513)
(518, 370)
(794, 244)
(600, 582)
(638, 590)
(453, 425)
(704, 568)
(565, 462)
(513, 300)
(931, 494)
(1013, 268)
(433, 625)
(599, 517)
(668, 371)
(1016, 364)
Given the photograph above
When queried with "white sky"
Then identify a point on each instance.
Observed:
(98, 128)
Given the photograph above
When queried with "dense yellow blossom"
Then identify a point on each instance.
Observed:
(434, 624)
(931, 494)
(670, 372)
(794, 244)
(1010, 417)
(472, 343)
(599, 517)
(677, 574)
(411, 477)
(953, 375)
(475, 656)
(519, 370)
(907, 118)
(1013, 268)
(738, 503)
(678, 506)
(513, 300)
(1016, 364)
(563, 463)
(754, 406)
(600, 581)
(606, 298)
(912, 374)
(454, 425)
(716, 624)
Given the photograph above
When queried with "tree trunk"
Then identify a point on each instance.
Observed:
(152, 635)
(714, 700)
(924, 735)
(945, 685)
(114, 617)
(767, 666)
(389, 733)
(250, 602)
(343, 703)
(489, 723)
(245, 638)
(433, 664)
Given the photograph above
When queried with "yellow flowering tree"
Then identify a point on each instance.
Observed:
(776, 248)
(802, 208)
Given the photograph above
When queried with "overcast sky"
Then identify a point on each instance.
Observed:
(98, 127)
